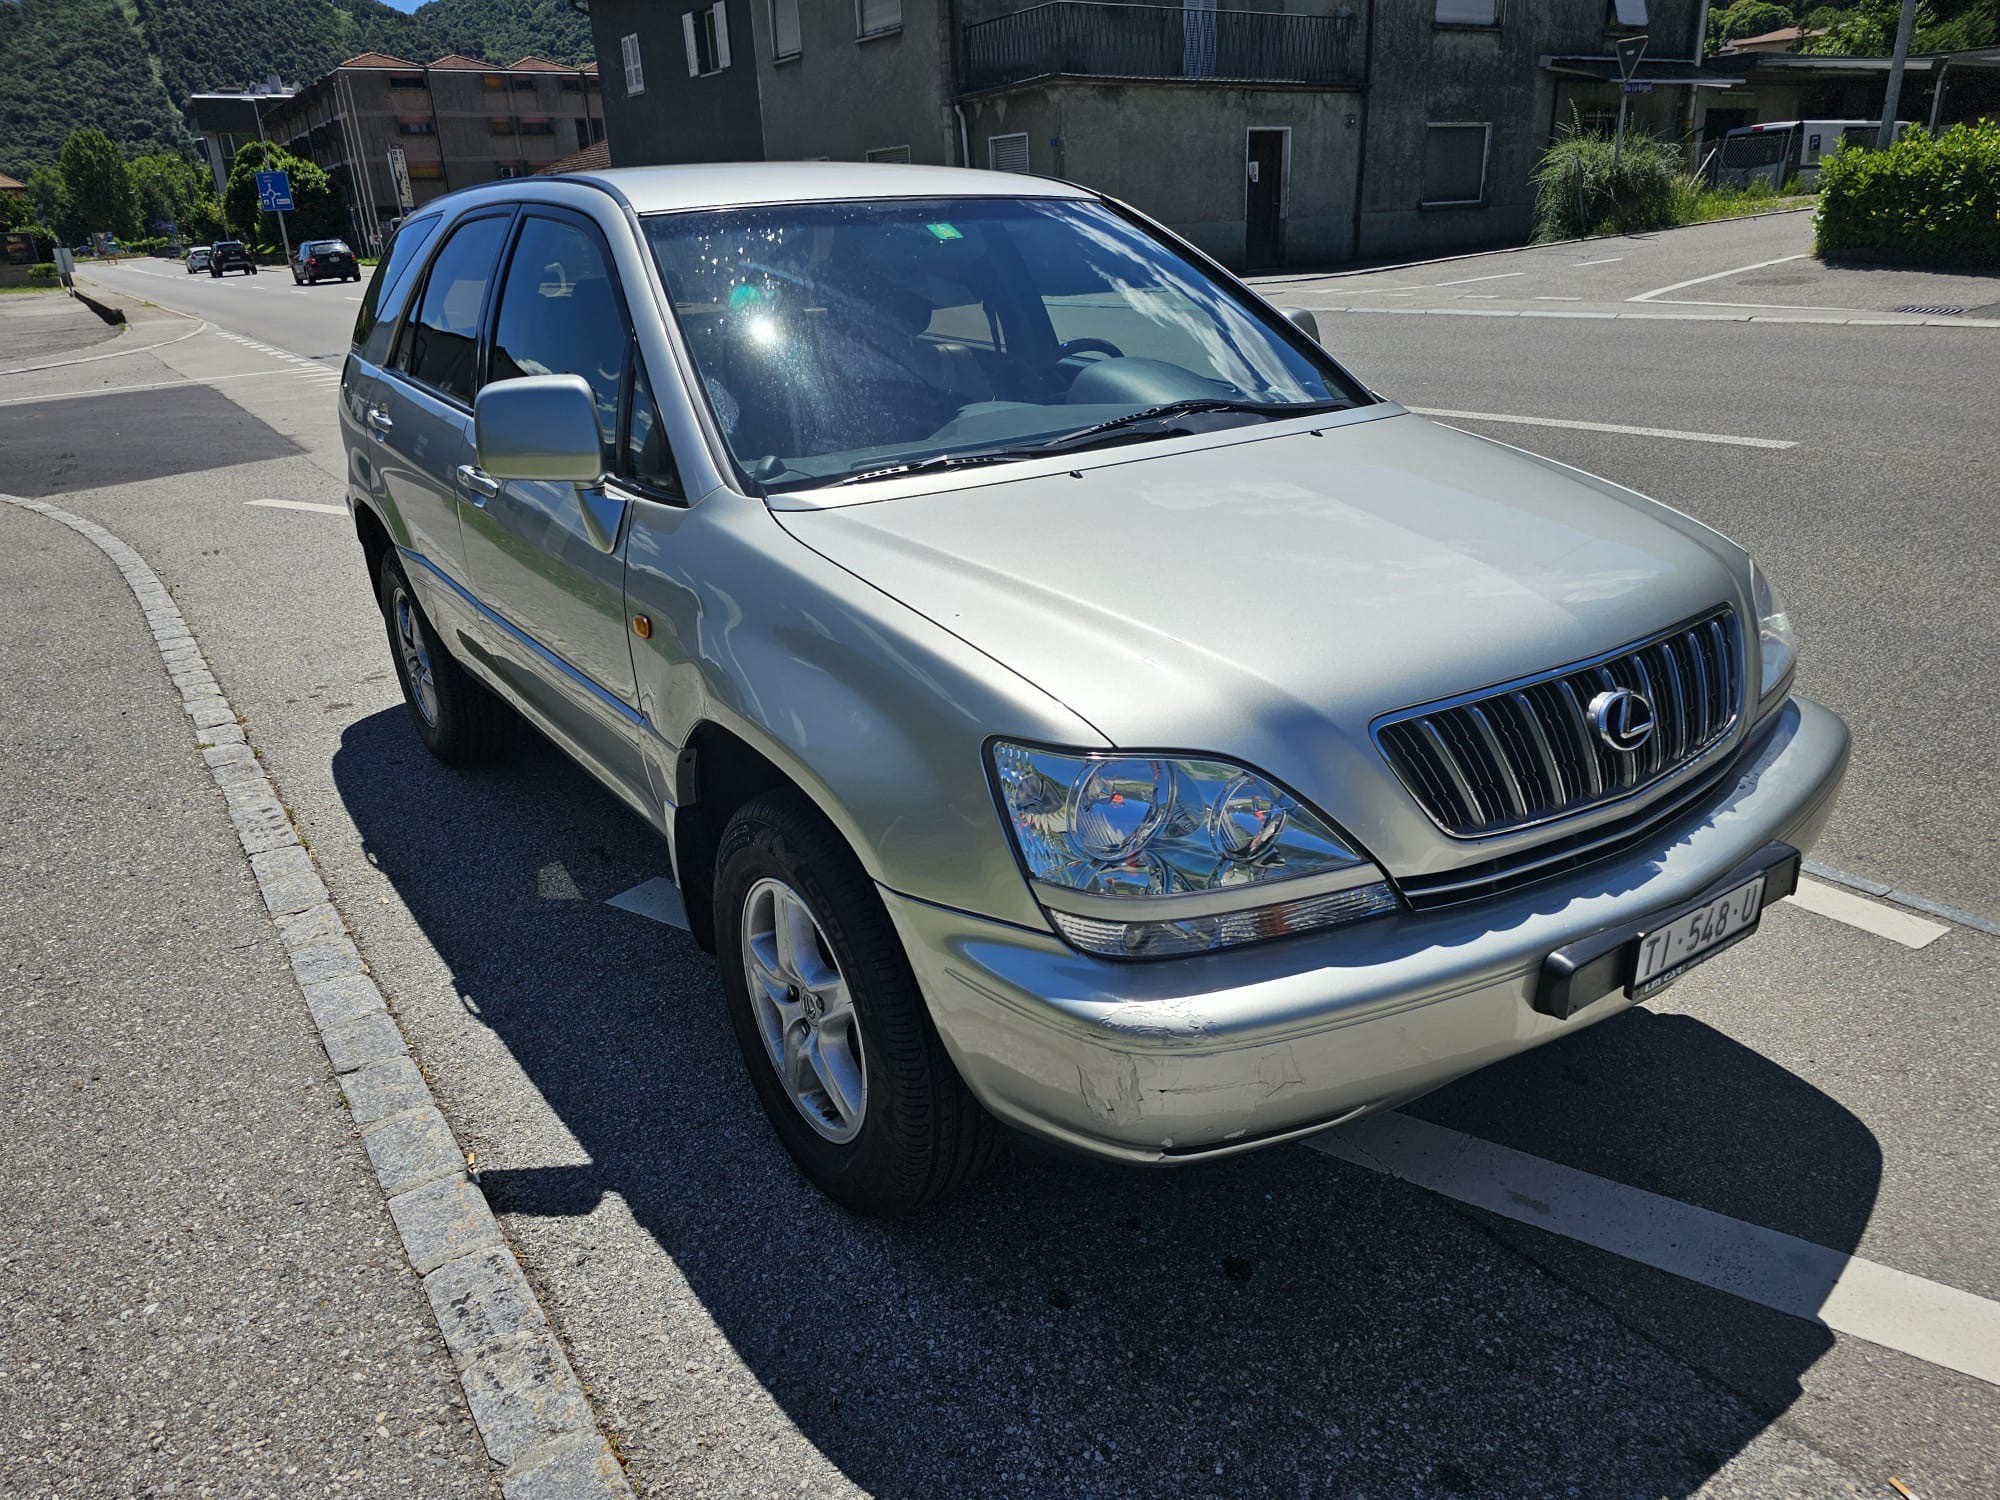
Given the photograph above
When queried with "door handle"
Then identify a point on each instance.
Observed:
(380, 419)
(482, 484)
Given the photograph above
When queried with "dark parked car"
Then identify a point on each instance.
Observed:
(230, 255)
(324, 260)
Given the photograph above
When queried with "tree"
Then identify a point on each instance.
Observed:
(49, 203)
(168, 186)
(202, 222)
(318, 212)
(99, 183)
(1746, 18)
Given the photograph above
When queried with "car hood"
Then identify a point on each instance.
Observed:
(1267, 599)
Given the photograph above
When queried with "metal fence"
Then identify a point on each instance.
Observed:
(1090, 40)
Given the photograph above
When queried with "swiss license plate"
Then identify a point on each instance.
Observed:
(1670, 950)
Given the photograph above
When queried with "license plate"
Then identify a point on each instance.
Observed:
(1670, 950)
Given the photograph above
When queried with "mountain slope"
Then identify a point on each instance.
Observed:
(68, 63)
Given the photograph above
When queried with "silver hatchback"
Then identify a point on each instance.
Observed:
(1069, 699)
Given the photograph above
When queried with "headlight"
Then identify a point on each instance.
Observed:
(1774, 632)
(1141, 856)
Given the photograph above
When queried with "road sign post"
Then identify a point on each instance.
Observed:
(1629, 50)
(274, 195)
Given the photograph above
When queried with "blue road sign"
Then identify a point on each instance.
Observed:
(274, 191)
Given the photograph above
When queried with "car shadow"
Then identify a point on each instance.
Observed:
(1277, 1323)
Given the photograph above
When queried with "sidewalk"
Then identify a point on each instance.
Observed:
(204, 1289)
(39, 325)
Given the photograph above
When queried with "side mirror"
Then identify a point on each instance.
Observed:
(1303, 320)
(539, 427)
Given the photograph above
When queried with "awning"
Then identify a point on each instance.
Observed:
(1667, 71)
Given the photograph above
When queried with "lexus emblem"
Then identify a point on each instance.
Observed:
(1623, 719)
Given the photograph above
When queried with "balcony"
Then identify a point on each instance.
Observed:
(1083, 39)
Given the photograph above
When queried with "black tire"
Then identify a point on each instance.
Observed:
(469, 725)
(922, 1134)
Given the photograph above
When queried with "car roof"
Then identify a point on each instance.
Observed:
(740, 184)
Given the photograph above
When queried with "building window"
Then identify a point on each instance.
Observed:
(890, 153)
(635, 75)
(406, 80)
(1007, 153)
(500, 124)
(416, 127)
(504, 170)
(1468, 12)
(784, 28)
(427, 171)
(572, 85)
(521, 85)
(1455, 164)
(493, 83)
(877, 17)
(538, 127)
(706, 33)
(1628, 15)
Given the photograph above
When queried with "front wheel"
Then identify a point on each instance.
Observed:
(840, 1047)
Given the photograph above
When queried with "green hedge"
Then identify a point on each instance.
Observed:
(1926, 201)
(42, 270)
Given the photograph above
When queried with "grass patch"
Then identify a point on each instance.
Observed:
(31, 291)
(1704, 205)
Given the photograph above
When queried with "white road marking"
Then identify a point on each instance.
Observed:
(1727, 439)
(1609, 260)
(1546, 297)
(1504, 275)
(658, 899)
(1480, 296)
(324, 510)
(1712, 276)
(1938, 1324)
(119, 390)
(1869, 916)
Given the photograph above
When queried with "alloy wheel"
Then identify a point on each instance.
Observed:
(804, 1010)
(416, 657)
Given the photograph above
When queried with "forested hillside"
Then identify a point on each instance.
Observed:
(65, 64)
(126, 65)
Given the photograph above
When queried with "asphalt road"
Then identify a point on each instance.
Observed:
(1287, 1322)
(313, 320)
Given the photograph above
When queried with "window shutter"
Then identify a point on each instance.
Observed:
(880, 15)
(1007, 153)
(1468, 12)
(1630, 12)
(635, 73)
(687, 36)
(721, 16)
(784, 28)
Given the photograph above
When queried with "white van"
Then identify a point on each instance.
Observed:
(1776, 151)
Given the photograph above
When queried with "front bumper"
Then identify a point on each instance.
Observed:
(1178, 1060)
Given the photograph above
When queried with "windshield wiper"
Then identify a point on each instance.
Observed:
(924, 466)
(1194, 406)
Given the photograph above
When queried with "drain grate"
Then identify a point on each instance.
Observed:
(1934, 311)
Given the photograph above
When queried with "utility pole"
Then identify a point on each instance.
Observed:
(1893, 96)
(257, 108)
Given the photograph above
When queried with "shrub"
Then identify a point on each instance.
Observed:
(1926, 201)
(1579, 192)
(42, 270)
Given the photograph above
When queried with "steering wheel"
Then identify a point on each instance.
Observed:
(1069, 347)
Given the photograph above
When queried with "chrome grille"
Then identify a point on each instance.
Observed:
(1524, 753)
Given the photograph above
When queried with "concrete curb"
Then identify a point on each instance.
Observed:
(104, 307)
(525, 1399)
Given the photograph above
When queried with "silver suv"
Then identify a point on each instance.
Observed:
(1070, 700)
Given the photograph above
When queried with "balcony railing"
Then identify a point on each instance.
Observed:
(1088, 40)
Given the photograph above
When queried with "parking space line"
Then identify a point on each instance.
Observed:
(325, 510)
(1502, 276)
(1609, 260)
(1727, 439)
(1870, 916)
(658, 899)
(1712, 276)
(1927, 1320)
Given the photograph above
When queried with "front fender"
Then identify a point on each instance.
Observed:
(874, 712)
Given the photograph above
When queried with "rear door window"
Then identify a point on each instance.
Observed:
(439, 346)
(394, 275)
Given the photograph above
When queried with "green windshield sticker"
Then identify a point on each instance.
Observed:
(744, 295)
(946, 232)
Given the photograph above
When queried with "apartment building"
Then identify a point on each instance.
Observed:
(1302, 132)
(455, 122)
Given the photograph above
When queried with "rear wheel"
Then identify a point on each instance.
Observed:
(459, 721)
(840, 1047)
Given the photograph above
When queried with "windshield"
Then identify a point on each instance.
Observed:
(836, 339)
